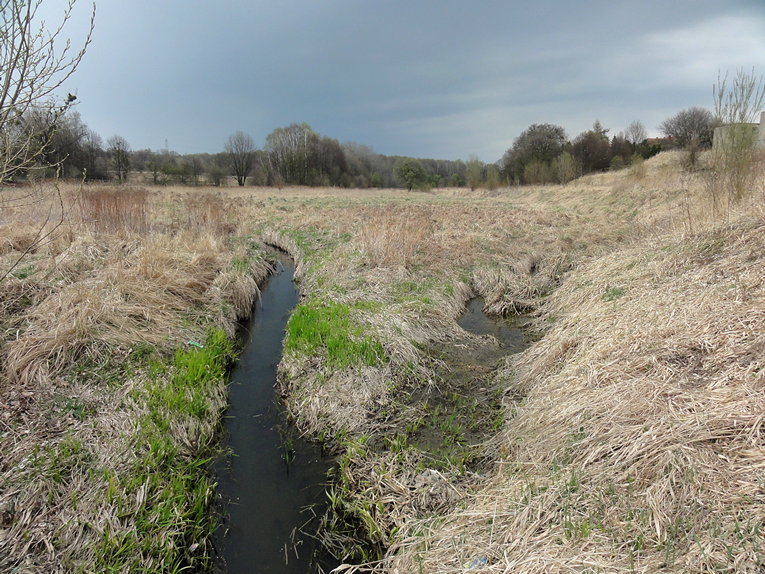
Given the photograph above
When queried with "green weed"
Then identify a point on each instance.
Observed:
(326, 328)
(613, 293)
(170, 478)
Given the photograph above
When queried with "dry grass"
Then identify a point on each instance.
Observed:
(639, 444)
(396, 236)
(74, 317)
(114, 209)
(633, 440)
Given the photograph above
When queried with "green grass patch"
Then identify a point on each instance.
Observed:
(173, 522)
(613, 293)
(328, 329)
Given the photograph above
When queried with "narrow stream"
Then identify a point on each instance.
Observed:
(273, 478)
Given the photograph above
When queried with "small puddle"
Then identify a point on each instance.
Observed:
(465, 407)
(273, 478)
(510, 337)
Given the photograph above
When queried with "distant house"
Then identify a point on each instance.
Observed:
(758, 132)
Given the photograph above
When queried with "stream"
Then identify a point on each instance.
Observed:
(272, 479)
(272, 483)
(510, 337)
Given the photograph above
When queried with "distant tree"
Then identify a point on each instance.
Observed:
(119, 152)
(492, 177)
(620, 147)
(591, 149)
(690, 128)
(635, 134)
(537, 172)
(540, 144)
(291, 153)
(474, 172)
(240, 149)
(35, 61)
(564, 168)
(95, 166)
(410, 173)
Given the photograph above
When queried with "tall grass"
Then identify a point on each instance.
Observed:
(115, 209)
(396, 235)
(207, 211)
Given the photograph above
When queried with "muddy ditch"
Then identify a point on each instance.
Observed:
(426, 448)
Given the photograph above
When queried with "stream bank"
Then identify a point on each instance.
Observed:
(425, 449)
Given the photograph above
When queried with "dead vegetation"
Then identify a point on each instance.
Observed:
(631, 436)
(94, 443)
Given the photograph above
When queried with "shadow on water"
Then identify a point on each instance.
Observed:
(272, 484)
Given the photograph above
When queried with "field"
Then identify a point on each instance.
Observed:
(628, 437)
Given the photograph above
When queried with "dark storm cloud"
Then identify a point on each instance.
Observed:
(430, 79)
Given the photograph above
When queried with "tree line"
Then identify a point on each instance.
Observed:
(297, 155)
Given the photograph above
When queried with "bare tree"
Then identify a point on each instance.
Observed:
(34, 62)
(635, 133)
(690, 127)
(119, 152)
(240, 149)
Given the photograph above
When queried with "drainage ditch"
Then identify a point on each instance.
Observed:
(272, 483)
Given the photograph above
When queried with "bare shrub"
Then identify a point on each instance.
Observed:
(735, 157)
(115, 210)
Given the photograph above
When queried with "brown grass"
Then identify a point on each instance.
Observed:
(633, 440)
(114, 209)
(396, 235)
(79, 308)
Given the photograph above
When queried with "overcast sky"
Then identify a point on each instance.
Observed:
(438, 79)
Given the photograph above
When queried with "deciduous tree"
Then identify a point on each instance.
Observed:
(474, 172)
(635, 134)
(591, 149)
(410, 173)
(539, 144)
(118, 149)
(240, 149)
(691, 127)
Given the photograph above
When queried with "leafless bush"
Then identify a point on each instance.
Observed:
(115, 210)
(735, 158)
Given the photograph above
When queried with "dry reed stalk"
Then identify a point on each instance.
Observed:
(115, 209)
(393, 236)
(208, 211)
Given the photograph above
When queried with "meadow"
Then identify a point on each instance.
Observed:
(628, 437)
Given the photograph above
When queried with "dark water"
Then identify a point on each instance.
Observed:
(509, 335)
(265, 499)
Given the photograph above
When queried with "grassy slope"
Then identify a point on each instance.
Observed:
(637, 445)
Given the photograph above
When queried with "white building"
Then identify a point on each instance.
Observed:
(757, 129)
